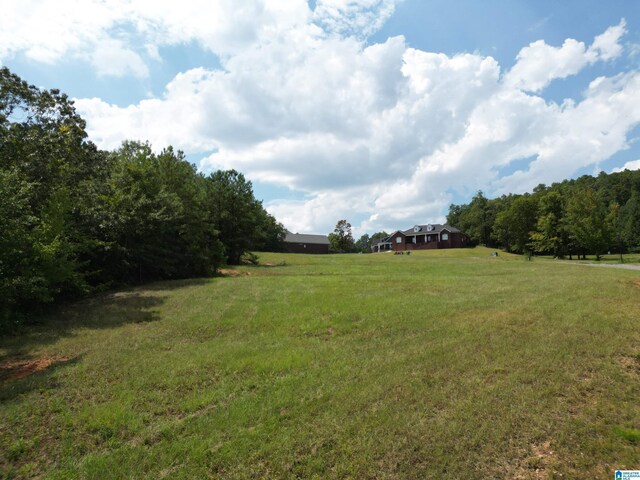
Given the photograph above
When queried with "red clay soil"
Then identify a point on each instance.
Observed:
(16, 368)
(227, 272)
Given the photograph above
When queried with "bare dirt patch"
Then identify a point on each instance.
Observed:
(19, 367)
(227, 272)
(636, 283)
(537, 465)
(131, 294)
(631, 364)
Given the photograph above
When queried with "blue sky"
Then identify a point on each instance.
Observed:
(379, 111)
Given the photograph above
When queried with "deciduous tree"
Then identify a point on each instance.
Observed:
(341, 240)
(590, 222)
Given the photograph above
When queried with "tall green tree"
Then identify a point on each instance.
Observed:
(551, 235)
(590, 222)
(341, 239)
(270, 233)
(513, 226)
(363, 244)
(235, 212)
(475, 219)
(628, 228)
(158, 224)
(453, 217)
(45, 155)
(22, 280)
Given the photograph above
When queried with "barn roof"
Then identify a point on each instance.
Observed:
(306, 238)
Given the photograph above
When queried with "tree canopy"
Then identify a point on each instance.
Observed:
(75, 219)
(365, 242)
(341, 239)
(588, 215)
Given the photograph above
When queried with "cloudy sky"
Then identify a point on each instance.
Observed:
(383, 112)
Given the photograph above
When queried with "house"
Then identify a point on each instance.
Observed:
(381, 245)
(422, 237)
(306, 243)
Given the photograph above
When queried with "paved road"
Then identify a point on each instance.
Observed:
(624, 266)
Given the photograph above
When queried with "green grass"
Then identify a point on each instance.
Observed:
(340, 366)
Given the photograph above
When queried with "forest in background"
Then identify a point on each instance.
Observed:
(585, 216)
(75, 219)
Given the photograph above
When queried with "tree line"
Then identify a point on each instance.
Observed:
(585, 216)
(75, 219)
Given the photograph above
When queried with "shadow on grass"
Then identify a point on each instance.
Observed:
(22, 370)
(169, 285)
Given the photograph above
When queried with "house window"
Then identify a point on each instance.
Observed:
(398, 239)
(445, 236)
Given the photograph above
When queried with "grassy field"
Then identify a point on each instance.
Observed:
(447, 364)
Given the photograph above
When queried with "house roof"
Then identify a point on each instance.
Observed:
(381, 240)
(306, 238)
(437, 228)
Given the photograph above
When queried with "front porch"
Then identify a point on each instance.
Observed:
(382, 247)
(423, 241)
(420, 246)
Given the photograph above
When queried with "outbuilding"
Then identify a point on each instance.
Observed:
(306, 243)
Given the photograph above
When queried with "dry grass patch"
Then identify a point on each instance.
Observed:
(539, 464)
(228, 272)
(631, 364)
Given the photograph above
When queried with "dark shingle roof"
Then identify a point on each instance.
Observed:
(380, 240)
(437, 228)
(306, 238)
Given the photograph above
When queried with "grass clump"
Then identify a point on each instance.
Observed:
(631, 435)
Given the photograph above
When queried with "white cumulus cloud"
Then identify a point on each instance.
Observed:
(382, 131)
(105, 31)
(607, 45)
(632, 165)
(111, 57)
(353, 17)
(539, 64)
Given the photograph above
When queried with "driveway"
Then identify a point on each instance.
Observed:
(623, 266)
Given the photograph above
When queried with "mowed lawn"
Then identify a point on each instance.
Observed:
(449, 364)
